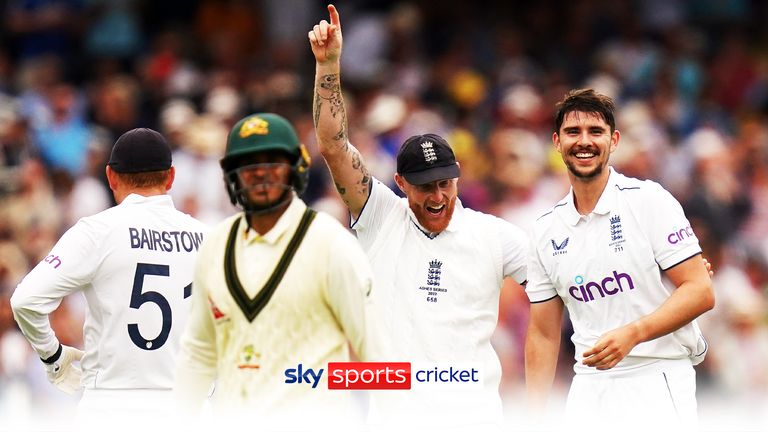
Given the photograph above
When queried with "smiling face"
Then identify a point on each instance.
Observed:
(585, 142)
(432, 203)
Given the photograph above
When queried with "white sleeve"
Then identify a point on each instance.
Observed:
(69, 267)
(672, 239)
(514, 248)
(539, 287)
(349, 286)
(380, 202)
(196, 364)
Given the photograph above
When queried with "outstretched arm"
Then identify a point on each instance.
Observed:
(350, 175)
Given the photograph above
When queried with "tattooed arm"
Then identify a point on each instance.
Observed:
(353, 182)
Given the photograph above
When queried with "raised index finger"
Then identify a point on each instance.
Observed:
(334, 16)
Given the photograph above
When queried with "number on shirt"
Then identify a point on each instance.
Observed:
(138, 298)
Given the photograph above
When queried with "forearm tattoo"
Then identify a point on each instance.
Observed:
(357, 163)
(341, 190)
(331, 95)
(331, 86)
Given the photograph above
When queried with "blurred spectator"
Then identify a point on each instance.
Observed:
(63, 141)
(715, 196)
(31, 214)
(41, 27)
(199, 188)
(522, 190)
(114, 31)
(90, 192)
(116, 104)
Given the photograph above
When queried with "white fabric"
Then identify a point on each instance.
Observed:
(125, 410)
(660, 396)
(316, 312)
(104, 256)
(438, 300)
(612, 258)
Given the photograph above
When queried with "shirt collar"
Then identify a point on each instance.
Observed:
(604, 204)
(136, 198)
(454, 225)
(288, 220)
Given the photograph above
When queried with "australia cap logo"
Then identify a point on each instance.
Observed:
(254, 126)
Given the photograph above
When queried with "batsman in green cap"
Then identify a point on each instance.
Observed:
(279, 291)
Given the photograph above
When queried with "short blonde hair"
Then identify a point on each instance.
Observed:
(145, 179)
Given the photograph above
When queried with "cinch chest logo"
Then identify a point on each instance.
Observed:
(680, 235)
(559, 249)
(608, 286)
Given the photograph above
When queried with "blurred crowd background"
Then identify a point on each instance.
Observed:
(690, 79)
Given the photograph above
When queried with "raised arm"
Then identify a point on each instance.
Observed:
(350, 175)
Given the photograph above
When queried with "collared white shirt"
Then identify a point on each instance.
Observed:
(134, 263)
(606, 266)
(439, 296)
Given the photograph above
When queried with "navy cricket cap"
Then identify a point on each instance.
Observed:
(140, 150)
(426, 158)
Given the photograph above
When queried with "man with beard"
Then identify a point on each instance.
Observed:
(279, 291)
(601, 252)
(438, 266)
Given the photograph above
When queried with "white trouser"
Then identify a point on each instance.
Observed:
(661, 395)
(129, 409)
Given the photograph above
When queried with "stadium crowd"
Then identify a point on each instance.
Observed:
(690, 79)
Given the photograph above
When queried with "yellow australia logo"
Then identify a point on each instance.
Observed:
(249, 358)
(254, 126)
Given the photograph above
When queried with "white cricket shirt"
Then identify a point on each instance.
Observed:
(439, 297)
(134, 263)
(606, 266)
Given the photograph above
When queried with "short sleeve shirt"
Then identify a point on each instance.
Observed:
(606, 266)
(439, 295)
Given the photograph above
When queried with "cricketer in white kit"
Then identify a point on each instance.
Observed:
(134, 264)
(600, 252)
(438, 266)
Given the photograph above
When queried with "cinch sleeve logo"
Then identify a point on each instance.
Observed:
(53, 260)
(608, 286)
(680, 235)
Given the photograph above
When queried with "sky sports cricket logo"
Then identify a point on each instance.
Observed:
(388, 376)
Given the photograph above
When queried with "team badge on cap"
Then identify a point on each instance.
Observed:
(254, 126)
(429, 152)
(426, 158)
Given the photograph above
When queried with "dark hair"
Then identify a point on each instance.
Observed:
(144, 179)
(585, 100)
